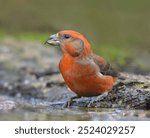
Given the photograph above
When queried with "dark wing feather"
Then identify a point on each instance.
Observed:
(105, 67)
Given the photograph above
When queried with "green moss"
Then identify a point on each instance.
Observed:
(2, 35)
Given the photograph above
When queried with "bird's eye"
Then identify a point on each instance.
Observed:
(66, 36)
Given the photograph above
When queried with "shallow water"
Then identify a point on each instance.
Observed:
(74, 114)
(22, 109)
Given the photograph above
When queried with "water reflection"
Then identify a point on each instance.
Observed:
(74, 114)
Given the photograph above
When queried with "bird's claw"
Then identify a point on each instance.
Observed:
(69, 102)
(98, 99)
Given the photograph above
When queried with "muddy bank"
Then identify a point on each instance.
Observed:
(31, 88)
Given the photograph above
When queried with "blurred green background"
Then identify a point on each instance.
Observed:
(119, 30)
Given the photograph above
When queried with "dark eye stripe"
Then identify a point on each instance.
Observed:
(66, 36)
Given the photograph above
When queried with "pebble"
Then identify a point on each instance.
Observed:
(7, 105)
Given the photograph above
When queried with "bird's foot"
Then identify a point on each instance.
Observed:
(69, 102)
(102, 96)
(98, 99)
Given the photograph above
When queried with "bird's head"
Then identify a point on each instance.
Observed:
(70, 42)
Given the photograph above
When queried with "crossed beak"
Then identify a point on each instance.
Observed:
(53, 40)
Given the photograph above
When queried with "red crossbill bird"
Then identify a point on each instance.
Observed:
(84, 72)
